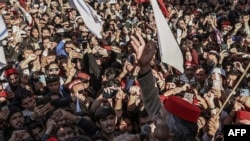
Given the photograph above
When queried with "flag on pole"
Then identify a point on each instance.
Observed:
(90, 17)
(163, 8)
(169, 48)
(3, 29)
(3, 34)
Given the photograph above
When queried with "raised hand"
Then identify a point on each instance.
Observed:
(144, 52)
(213, 125)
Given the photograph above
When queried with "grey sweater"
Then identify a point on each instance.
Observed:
(150, 93)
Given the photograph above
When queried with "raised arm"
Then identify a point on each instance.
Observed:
(145, 53)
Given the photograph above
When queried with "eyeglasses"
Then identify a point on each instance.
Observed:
(53, 69)
(83, 91)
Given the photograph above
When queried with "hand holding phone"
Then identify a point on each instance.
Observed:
(244, 92)
(188, 97)
(109, 92)
(42, 79)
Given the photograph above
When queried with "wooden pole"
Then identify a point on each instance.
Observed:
(231, 93)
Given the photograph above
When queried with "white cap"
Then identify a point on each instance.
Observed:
(218, 71)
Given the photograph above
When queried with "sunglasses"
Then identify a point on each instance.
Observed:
(83, 91)
(54, 69)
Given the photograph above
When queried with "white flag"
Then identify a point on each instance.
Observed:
(3, 34)
(90, 18)
(3, 29)
(169, 48)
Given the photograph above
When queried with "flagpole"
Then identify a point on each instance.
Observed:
(232, 92)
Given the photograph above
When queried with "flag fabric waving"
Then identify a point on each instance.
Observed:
(169, 48)
(3, 29)
(90, 17)
(163, 8)
(3, 34)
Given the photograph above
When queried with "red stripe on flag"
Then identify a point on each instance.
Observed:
(141, 1)
(163, 8)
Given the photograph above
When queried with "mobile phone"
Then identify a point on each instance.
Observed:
(42, 79)
(26, 71)
(131, 59)
(189, 97)
(223, 47)
(39, 100)
(5, 107)
(244, 92)
(109, 95)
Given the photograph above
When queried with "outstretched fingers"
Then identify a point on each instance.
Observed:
(140, 39)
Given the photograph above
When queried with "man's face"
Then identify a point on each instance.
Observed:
(27, 53)
(200, 75)
(28, 103)
(51, 58)
(14, 79)
(161, 131)
(53, 69)
(64, 133)
(38, 133)
(107, 124)
(231, 80)
(54, 86)
(80, 92)
(46, 33)
(35, 33)
(189, 71)
(16, 120)
(46, 43)
(212, 57)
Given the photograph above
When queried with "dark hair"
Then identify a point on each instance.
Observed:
(79, 138)
(22, 94)
(103, 112)
(113, 82)
(52, 78)
(48, 65)
(63, 126)
(34, 125)
(110, 73)
(183, 130)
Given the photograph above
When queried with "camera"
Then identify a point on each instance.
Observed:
(109, 95)
(114, 84)
(40, 100)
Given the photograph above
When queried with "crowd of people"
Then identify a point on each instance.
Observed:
(62, 83)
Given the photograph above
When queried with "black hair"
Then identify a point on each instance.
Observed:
(113, 82)
(79, 138)
(52, 78)
(22, 94)
(103, 112)
(65, 125)
(110, 73)
(34, 125)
